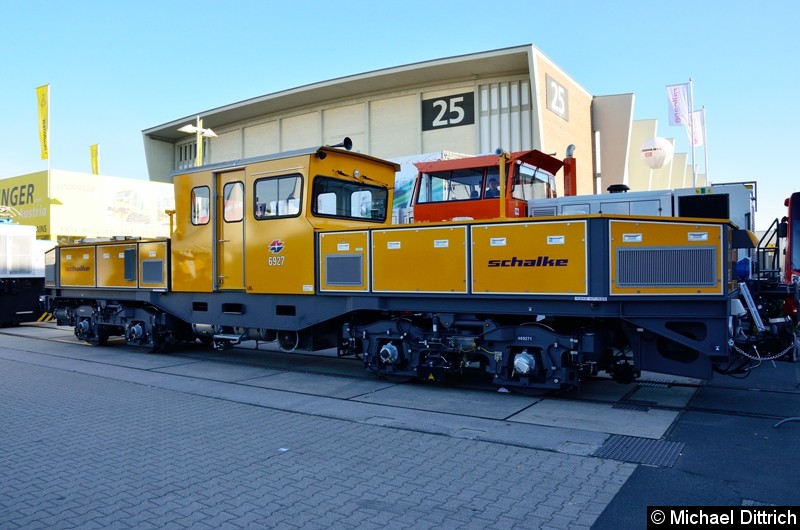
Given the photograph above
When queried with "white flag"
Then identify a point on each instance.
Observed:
(678, 97)
(699, 128)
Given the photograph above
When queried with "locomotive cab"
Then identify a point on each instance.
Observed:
(240, 261)
(250, 225)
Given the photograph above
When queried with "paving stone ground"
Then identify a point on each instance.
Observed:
(82, 451)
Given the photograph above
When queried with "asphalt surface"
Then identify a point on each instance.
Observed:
(114, 437)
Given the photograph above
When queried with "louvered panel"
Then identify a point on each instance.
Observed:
(666, 267)
(344, 269)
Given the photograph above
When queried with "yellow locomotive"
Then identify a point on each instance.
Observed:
(299, 247)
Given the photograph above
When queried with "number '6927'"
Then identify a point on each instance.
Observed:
(276, 261)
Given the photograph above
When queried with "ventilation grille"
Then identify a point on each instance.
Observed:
(542, 211)
(153, 271)
(668, 267)
(344, 269)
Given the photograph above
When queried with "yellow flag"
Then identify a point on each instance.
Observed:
(93, 152)
(43, 98)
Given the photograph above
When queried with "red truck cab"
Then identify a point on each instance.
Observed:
(482, 187)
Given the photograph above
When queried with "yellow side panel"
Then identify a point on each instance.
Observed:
(344, 261)
(430, 260)
(77, 266)
(111, 266)
(665, 258)
(153, 265)
(280, 257)
(530, 258)
(192, 244)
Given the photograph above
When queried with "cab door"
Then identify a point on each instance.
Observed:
(230, 230)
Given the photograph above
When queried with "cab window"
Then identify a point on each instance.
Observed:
(530, 182)
(200, 205)
(348, 200)
(233, 202)
(492, 188)
(446, 186)
(278, 197)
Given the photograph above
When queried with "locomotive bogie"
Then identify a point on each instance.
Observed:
(139, 324)
(437, 348)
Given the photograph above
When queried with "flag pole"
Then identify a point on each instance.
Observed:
(705, 142)
(691, 134)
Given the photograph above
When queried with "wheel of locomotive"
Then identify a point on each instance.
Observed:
(161, 342)
(622, 367)
(288, 340)
(392, 363)
(99, 335)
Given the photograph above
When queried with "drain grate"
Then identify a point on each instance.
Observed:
(642, 406)
(657, 383)
(641, 450)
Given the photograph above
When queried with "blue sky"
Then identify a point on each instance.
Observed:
(116, 67)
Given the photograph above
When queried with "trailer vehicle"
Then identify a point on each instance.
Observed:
(298, 247)
(21, 270)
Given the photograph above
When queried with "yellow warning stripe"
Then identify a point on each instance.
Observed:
(46, 317)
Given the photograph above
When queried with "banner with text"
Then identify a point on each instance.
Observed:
(94, 155)
(678, 97)
(43, 99)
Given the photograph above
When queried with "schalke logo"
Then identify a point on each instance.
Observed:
(538, 261)
(276, 246)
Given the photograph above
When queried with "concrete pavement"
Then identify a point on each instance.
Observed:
(118, 438)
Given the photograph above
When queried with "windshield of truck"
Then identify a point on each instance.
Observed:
(530, 182)
(456, 185)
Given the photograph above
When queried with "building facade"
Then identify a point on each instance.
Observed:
(513, 98)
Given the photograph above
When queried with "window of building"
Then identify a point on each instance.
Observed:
(186, 153)
(200, 205)
(278, 197)
(505, 116)
(349, 200)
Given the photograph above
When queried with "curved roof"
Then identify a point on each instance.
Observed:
(472, 66)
